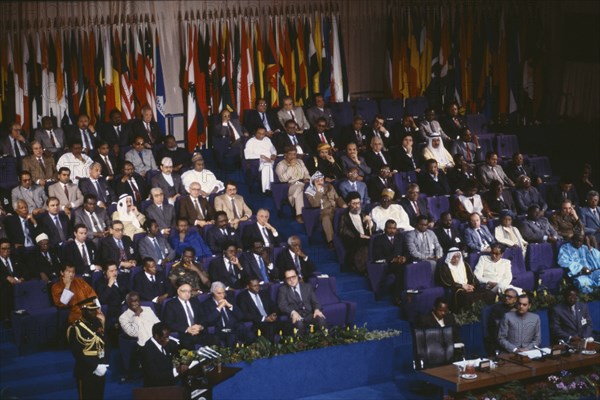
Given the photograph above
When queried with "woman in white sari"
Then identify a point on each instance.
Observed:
(508, 234)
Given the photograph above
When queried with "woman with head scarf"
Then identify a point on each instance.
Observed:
(128, 214)
(508, 234)
(323, 195)
(435, 149)
(457, 276)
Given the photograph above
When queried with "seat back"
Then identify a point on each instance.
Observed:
(325, 291)
(477, 123)
(416, 106)
(418, 276)
(433, 346)
(516, 260)
(367, 109)
(403, 179)
(392, 108)
(507, 145)
(540, 166)
(341, 113)
(540, 257)
(32, 295)
(438, 205)
(8, 173)
(486, 141)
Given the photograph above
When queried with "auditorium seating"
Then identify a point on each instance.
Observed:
(367, 109)
(416, 106)
(540, 260)
(337, 312)
(420, 290)
(521, 277)
(506, 145)
(392, 109)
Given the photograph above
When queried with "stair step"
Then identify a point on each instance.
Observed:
(349, 283)
(43, 383)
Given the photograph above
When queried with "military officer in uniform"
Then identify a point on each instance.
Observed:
(86, 340)
(188, 271)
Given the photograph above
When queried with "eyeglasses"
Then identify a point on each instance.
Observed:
(523, 304)
(289, 278)
(139, 143)
(5, 248)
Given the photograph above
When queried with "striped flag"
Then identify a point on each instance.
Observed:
(127, 103)
(189, 85)
(271, 63)
(149, 72)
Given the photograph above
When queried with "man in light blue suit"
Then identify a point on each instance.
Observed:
(352, 184)
(590, 216)
(477, 236)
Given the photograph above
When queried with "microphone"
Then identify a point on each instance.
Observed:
(570, 349)
(543, 354)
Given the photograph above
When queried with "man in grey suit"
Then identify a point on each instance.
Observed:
(169, 183)
(141, 158)
(155, 245)
(491, 170)
(298, 300)
(422, 243)
(33, 195)
(15, 143)
(94, 218)
(289, 112)
(68, 194)
(590, 216)
(520, 330)
(537, 229)
(163, 214)
(570, 321)
(51, 138)
(319, 110)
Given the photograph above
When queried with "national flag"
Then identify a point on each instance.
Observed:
(302, 76)
(149, 72)
(201, 74)
(245, 79)
(189, 85)
(345, 86)
(127, 102)
(100, 84)
(325, 81)
(213, 62)
(227, 98)
(90, 65)
(161, 95)
(139, 87)
(71, 72)
(337, 88)
(271, 63)
(27, 72)
(109, 89)
(115, 50)
(292, 59)
(18, 79)
(313, 60)
(36, 87)
(259, 63)
(284, 59)
(60, 80)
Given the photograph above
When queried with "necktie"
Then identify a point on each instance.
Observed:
(157, 249)
(96, 223)
(152, 279)
(323, 139)
(198, 209)
(482, 236)
(416, 207)
(231, 132)
(382, 158)
(86, 140)
(188, 312)
(449, 233)
(163, 350)
(118, 129)
(595, 213)
(8, 265)
(149, 132)
(263, 270)
(17, 149)
(28, 242)
(266, 235)
(259, 305)
(262, 116)
(84, 255)
(229, 267)
(574, 311)
(358, 137)
(296, 291)
(353, 186)
(107, 162)
(391, 240)
(224, 316)
(136, 192)
(469, 158)
(121, 250)
(224, 232)
(99, 191)
(48, 257)
(297, 262)
(472, 201)
(234, 209)
(61, 233)
(522, 170)
(42, 166)
(141, 158)
(51, 134)
(66, 191)
(292, 115)
(294, 141)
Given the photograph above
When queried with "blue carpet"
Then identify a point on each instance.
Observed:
(48, 374)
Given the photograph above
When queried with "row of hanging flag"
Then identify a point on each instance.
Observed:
(225, 63)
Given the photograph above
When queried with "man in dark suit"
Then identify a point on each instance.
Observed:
(169, 183)
(258, 308)
(376, 156)
(318, 134)
(537, 229)
(378, 130)
(294, 257)
(108, 163)
(261, 118)
(181, 157)
(517, 167)
(288, 137)
(376, 184)
(298, 300)
(261, 230)
(432, 180)
(498, 199)
(563, 191)
(157, 358)
(115, 133)
(15, 144)
(85, 132)
(354, 133)
(439, 317)
(163, 213)
(96, 185)
(44, 260)
(390, 247)
(447, 235)
(149, 285)
(146, 128)
(229, 137)
(132, 184)
(111, 289)
(415, 205)
(22, 228)
(51, 138)
(55, 224)
(196, 208)
(228, 269)
(226, 318)
(319, 110)
(183, 314)
(12, 272)
(590, 215)
(221, 234)
(453, 123)
(118, 248)
(257, 264)
(570, 320)
(81, 253)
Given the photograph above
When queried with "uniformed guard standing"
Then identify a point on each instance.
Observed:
(86, 340)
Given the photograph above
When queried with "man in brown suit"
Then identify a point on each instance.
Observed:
(67, 193)
(195, 208)
(233, 204)
(41, 167)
